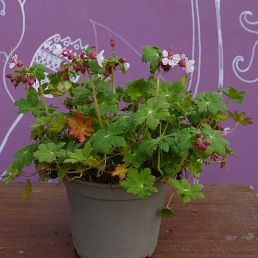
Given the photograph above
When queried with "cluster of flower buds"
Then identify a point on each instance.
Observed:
(200, 143)
(16, 79)
(169, 60)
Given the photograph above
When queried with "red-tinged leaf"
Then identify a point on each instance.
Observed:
(121, 171)
(80, 126)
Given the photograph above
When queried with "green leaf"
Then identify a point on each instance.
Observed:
(84, 156)
(136, 89)
(82, 95)
(103, 140)
(185, 190)
(167, 213)
(125, 122)
(151, 54)
(210, 102)
(152, 112)
(234, 94)
(195, 166)
(182, 141)
(240, 118)
(28, 189)
(49, 152)
(151, 145)
(13, 172)
(140, 183)
(39, 71)
(219, 145)
(58, 122)
(24, 156)
(107, 102)
(30, 104)
(94, 67)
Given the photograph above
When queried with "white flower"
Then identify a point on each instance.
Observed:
(189, 66)
(226, 131)
(57, 50)
(127, 66)
(100, 58)
(14, 62)
(175, 59)
(170, 60)
(165, 53)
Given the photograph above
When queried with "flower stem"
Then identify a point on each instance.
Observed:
(95, 100)
(113, 80)
(158, 83)
(159, 153)
(43, 98)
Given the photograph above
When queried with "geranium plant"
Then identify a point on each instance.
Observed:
(144, 132)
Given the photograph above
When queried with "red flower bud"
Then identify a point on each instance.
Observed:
(122, 59)
(206, 143)
(9, 76)
(24, 80)
(15, 83)
(19, 76)
(83, 56)
(76, 67)
(93, 55)
(198, 135)
(165, 68)
(70, 56)
(201, 146)
(83, 69)
(31, 81)
(66, 76)
(182, 63)
(19, 64)
(220, 127)
(112, 43)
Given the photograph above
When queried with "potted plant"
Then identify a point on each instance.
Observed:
(116, 147)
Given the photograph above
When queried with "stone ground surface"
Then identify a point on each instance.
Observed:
(224, 224)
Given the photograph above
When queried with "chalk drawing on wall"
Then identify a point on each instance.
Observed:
(238, 69)
(43, 55)
(2, 8)
(196, 49)
(220, 44)
(7, 58)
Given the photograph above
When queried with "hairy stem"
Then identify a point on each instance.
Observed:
(43, 98)
(113, 80)
(94, 92)
(158, 83)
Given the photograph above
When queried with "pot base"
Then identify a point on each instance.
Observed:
(107, 222)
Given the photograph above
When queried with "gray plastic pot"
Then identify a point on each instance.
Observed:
(107, 222)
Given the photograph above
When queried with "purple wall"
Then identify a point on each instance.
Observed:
(222, 36)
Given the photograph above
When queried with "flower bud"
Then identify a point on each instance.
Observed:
(122, 59)
(83, 68)
(93, 55)
(19, 64)
(182, 63)
(15, 83)
(112, 43)
(83, 56)
(66, 76)
(9, 76)
(31, 81)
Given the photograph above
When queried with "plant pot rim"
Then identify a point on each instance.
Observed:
(104, 191)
